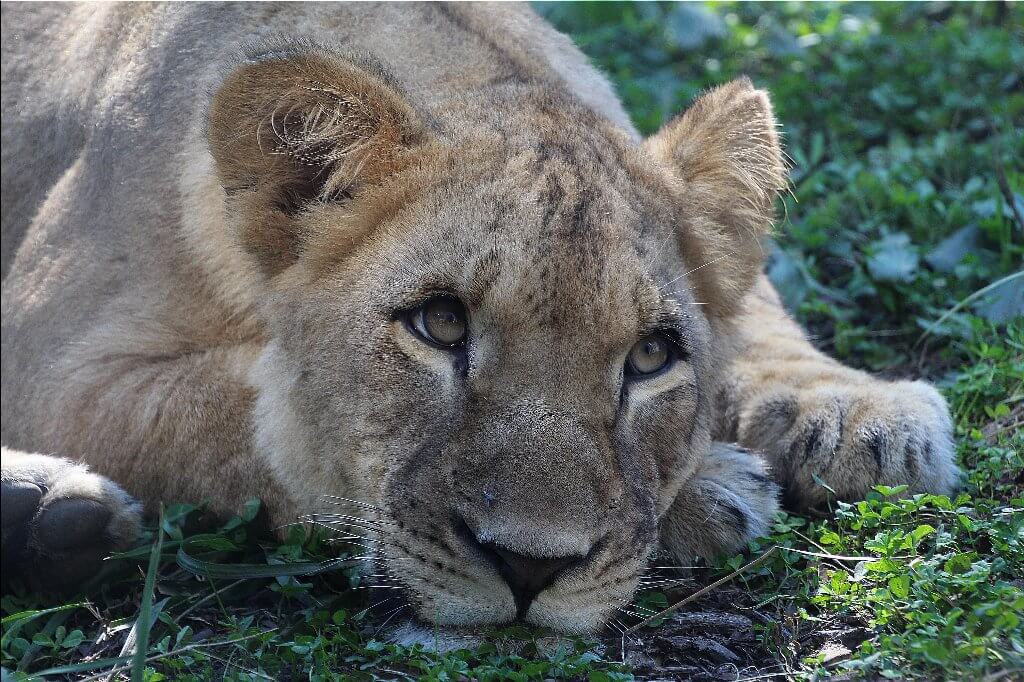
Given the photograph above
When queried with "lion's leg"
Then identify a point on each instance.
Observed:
(812, 417)
(166, 422)
(59, 519)
(730, 500)
(170, 428)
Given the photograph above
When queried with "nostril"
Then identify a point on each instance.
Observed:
(527, 576)
(532, 573)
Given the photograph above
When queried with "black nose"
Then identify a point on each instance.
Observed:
(526, 576)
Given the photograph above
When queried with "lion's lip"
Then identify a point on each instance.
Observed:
(478, 587)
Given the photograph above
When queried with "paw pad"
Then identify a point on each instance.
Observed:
(20, 502)
(60, 520)
(72, 522)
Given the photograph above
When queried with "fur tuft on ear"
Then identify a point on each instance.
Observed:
(290, 129)
(724, 152)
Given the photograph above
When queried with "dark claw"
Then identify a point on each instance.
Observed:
(813, 442)
(738, 521)
(20, 502)
(72, 522)
(914, 449)
(877, 446)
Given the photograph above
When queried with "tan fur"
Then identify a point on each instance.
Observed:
(207, 302)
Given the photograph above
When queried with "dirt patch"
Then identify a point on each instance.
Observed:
(726, 635)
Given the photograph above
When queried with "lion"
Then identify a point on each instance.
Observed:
(414, 260)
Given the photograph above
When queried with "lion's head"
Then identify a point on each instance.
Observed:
(496, 328)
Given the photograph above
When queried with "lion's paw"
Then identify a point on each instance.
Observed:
(851, 438)
(729, 501)
(60, 520)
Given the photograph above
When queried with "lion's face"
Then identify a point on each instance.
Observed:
(517, 382)
(499, 356)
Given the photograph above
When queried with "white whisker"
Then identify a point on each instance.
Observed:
(336, 499)
(349, 517)
(394, 613)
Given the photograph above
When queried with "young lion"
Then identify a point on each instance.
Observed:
(413, 256)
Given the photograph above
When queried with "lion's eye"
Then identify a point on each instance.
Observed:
(440, 321)
(650, 355)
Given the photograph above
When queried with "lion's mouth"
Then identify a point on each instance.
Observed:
(448, 574)
(497, 586)
(526, 576)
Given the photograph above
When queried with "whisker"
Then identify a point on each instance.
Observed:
(352, 539)
(674, 568)
(348, 543)
(337, 499)
(357, 519)
(394, 613)
(358, 541)
(624, 634)
(342, 537)
(690, 272)
(371, 606)
(662, 583)
(337, 525)
(634, 614)
(642, 609)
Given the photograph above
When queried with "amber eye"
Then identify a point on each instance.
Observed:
(440, 321)
(650, 355)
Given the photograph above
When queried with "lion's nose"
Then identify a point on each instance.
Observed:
(527, 576)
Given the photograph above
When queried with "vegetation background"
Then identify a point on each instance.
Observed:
(900, 249)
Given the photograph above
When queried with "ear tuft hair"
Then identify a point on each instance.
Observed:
(289, 129)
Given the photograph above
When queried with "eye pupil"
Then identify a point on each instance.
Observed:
(440, 321)
(649, 356)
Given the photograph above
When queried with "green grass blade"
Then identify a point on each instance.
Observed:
(962, 304)
(146, 608)
(208, 569)
(83, 667)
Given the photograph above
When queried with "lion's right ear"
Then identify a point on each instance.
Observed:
(724, 151)
(290, 130)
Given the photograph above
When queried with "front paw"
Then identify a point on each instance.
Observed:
(853, 437)
(729, 501)
(60, 520)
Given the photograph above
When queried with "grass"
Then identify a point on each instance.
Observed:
(904, 126)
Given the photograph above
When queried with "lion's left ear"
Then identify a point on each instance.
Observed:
(725, 153)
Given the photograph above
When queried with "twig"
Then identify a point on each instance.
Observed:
(840, 557)
(701, 592)
(1004, 187)
(230, 664)
(766, 676)
(980, 292)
